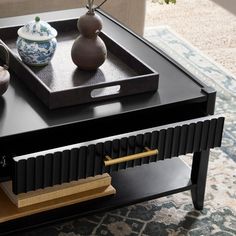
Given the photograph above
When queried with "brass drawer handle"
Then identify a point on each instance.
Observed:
(109, 161)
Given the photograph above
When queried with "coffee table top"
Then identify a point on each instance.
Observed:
(22, 112)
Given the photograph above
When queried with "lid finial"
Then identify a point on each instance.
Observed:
(37, 18)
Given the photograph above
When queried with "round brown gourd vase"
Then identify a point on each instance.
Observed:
(89, 51)
(4, 74)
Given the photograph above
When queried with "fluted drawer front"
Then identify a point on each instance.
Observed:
(65, 164)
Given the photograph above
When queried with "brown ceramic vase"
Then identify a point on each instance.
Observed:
(4, 74)
(89, 51)
(4, 80)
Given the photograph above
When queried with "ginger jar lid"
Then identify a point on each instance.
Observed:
(37, 30)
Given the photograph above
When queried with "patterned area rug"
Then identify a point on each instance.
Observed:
(175, 215)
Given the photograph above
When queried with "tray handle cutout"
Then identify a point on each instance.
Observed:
(108, 161)
(105, 91)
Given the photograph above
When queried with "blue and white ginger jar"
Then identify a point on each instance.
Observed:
(36, 43)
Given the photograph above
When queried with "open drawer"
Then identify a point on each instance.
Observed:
(64, 164)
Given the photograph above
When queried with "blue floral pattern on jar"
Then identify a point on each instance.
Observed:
(36, 53)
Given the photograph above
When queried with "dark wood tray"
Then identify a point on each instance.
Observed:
(61, 83)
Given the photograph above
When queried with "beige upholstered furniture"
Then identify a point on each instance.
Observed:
(129, 12)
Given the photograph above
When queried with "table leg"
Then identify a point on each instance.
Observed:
(198, 177)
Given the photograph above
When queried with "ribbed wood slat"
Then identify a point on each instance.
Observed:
(138, 148)
(219, 133)
(146, 143)
(168, 142)
(19, 185)
(73, 164)
(47, 176)
(115, 153)
(108, 152)
(204, 135)
(38, 172)
(98, 161)
(131, 145)
(90, 161)
(183, 139)
(56, 172)
(82, 162)
(161, 144)
(211, 133)
(65, 166)
(123, 152)
(197, 135)
(57, 167)
(190, 138)
(30, 172)
(175, 143)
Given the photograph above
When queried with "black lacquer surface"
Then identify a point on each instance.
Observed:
(62, 84)
(87, 159)
(26, 126)
(129, 191)
(176, 87)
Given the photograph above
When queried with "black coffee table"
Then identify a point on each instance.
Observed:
(180, 112)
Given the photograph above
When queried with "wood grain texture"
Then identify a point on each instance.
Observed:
(55, 192)
(10, 212)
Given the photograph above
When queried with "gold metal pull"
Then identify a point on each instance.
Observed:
(109, 161)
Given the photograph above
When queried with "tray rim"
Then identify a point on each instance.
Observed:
(49, 94)
(155, 48)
